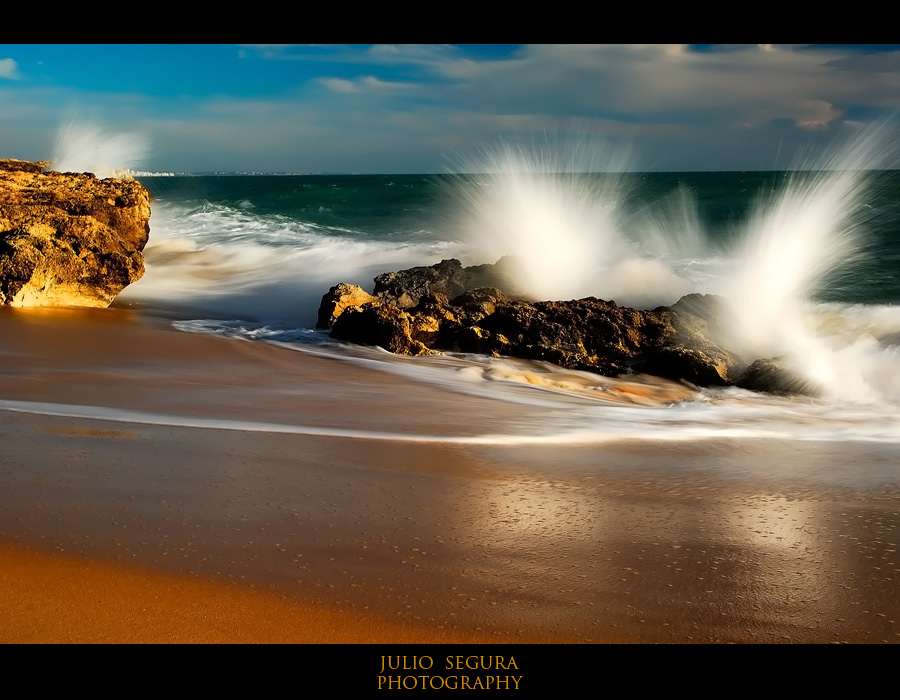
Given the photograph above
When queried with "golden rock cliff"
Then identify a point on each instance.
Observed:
(68, 239)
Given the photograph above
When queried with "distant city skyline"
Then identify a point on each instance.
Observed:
(429, 108)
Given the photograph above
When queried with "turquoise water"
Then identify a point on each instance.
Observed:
(409, 210)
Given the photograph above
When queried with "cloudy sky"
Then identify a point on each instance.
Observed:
(371, 108)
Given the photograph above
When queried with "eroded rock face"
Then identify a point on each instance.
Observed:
(693, 351)
(413, 314)
(337, 299)
(68, 239)
(586, 334)
(448, 277)
(770, 375)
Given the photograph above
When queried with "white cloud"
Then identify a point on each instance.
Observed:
(367, 83)
(679, 108)
(339, 85)
(741, 85)
(9, 69)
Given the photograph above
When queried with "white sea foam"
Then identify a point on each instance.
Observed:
(242, 265)
(581, 407)
(563, 418)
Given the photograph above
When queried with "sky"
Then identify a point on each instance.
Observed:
(430, 108)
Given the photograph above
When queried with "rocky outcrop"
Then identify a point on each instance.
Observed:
(337, 299)
(68, 239)
(588, 334)
(769, 375)
(693, 352)
(413, 313)
(448, 277)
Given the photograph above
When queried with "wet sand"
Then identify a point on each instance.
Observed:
(137, 530)
(53, 598)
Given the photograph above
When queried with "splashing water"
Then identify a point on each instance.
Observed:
(572, 237)
(795, 241)
(89, 147)
(791, 245)
(568, 231)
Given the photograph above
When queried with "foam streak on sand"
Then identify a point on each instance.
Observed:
(578, 426)
(139, 417)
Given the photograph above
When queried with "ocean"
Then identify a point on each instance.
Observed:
(811, 260)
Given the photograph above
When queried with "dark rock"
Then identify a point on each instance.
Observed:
(13, 165)
(587, 334)
(418, 311)
(706, 307)
(472, 307)
(337, 299)
(387, 326)
(688, 364)
(892, 339)
(406, 287)
(771, 376)
(501, 276)
(693, 352)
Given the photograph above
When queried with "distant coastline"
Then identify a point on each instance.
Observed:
(246, 173)
(150, 173)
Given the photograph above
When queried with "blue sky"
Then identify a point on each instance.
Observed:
(427, 107)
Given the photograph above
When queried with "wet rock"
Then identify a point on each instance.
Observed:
(892, 339)
(693, 352)
(587, 334)
(406, 288)
(415, 312)
(385, 325)
(337, 299)
(501, 276)
(772, 377)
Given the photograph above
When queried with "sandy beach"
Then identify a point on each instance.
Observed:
(142, 499)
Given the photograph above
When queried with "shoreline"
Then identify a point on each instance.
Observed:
(353, 540)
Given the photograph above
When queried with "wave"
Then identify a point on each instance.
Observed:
(238, 264)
